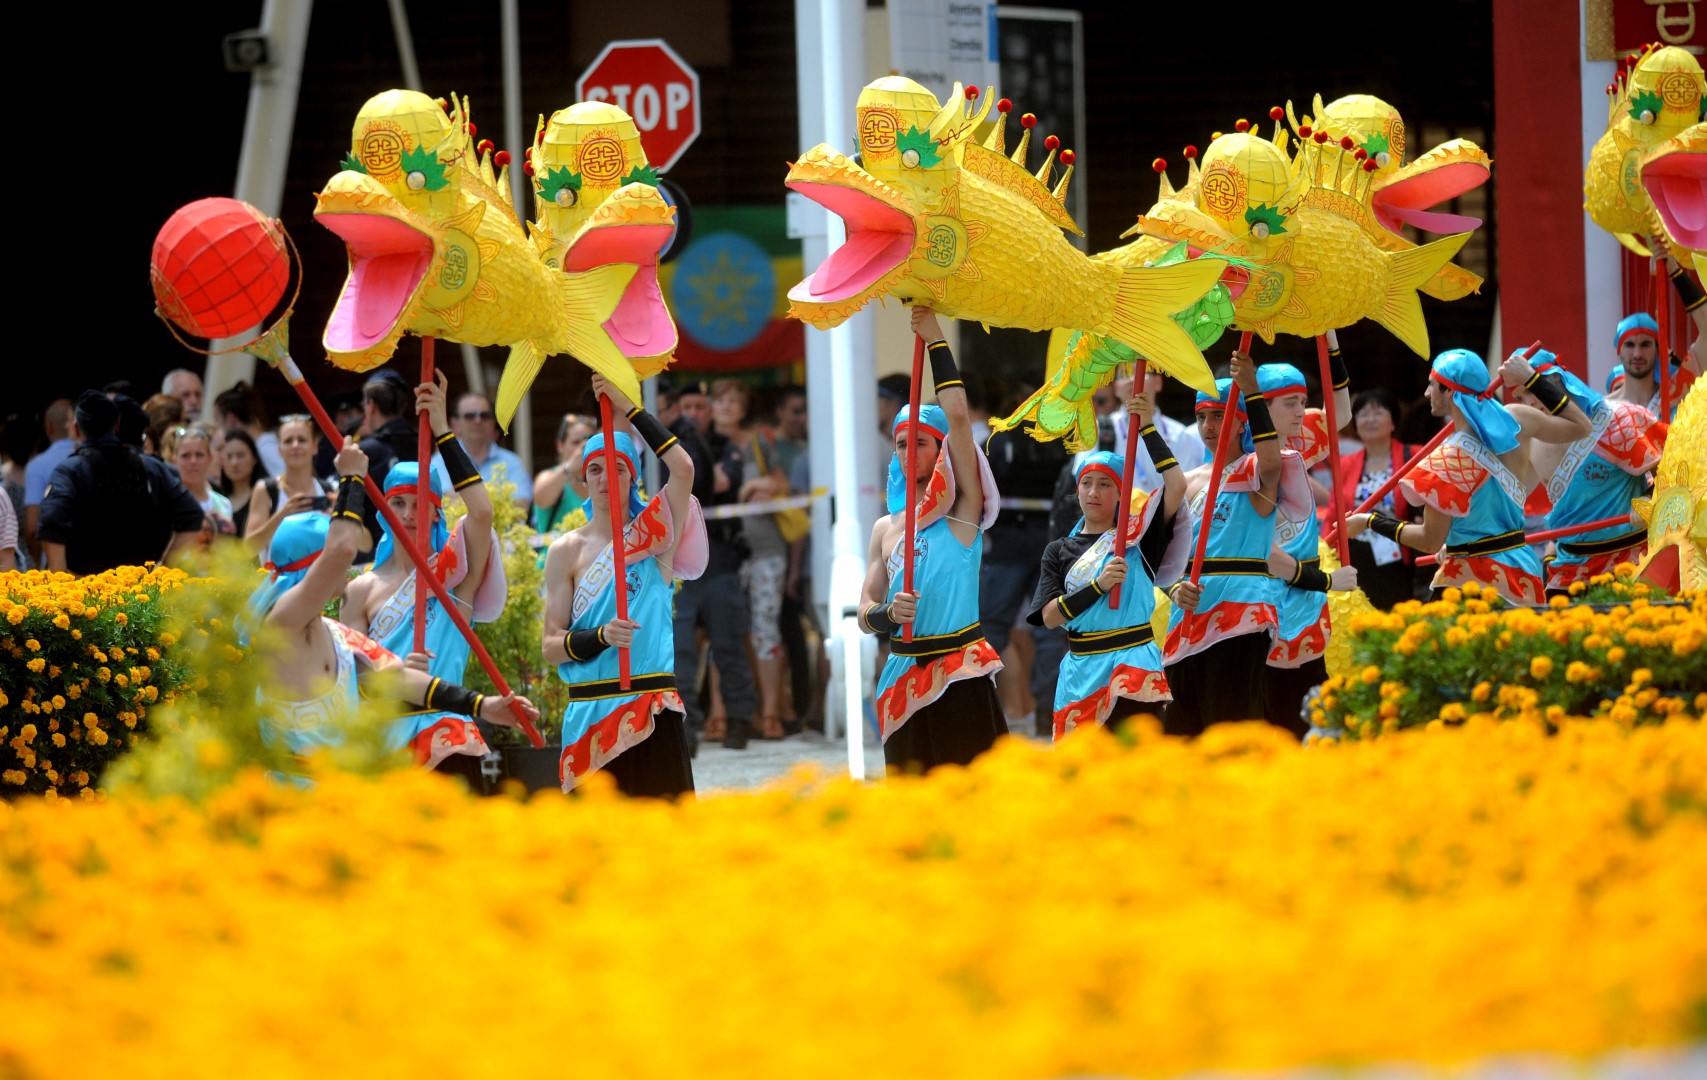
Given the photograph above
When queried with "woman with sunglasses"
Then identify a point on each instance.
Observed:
(297, 490)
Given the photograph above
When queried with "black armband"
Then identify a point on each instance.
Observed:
(657, 436)
(458, 465)
(1079, 602)
(1337, 374)
(1262, 426)
(1309, 578)
(875, 620)
(1688, 288)
(1386, 525)
(1549, 389)
(352, 500)
(583, 645)
(449, 697)
(1161, 455)
(944, 373)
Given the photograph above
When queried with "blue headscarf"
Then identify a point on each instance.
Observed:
(595, 447)
(1104, 461)
(297, 542)
(1275, 380)
(1222, 388)
(933, 420)
(1632, 325)
(403, 479)
(1463, 372)
(1581, 393)
(1614, 377)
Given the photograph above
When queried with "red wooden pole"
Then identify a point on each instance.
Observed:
(423, 498)
(1333, 449)
(293, 375)
(618, 557)
(1662, 347)
(912, 511)
(1222, 445)
(1124, 510)
(1553, 534)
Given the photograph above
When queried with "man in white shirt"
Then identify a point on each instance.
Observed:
(478, 432)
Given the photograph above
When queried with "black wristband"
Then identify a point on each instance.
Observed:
(1336, 370)
(1385, 525)
(1079, 602)
(1262, 426)
(458, 465)
(583, 645)
(1161, 455)
(875, 619)
(1549, 389)
(1309, 578)
(449, 697)
(1688, 288)
(352, 500)
(944, 373)
(657, 436)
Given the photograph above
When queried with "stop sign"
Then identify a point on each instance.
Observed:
(648, 81)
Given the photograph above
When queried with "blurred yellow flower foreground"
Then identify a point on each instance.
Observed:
(1234, 903)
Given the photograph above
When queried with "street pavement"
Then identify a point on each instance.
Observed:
(716, 769)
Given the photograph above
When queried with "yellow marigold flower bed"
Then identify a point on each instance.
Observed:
(82, 661)
(1635, 657)
(1233, 903)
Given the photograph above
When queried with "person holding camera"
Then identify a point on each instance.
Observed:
(296, 490)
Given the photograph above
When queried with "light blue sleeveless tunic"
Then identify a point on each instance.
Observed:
(1087, 675)
(601, 719)
(1239, 597)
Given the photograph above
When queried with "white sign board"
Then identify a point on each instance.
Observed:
(937, 43)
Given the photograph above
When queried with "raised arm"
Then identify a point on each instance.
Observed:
(303, 602)
(476, 525)
(1342, 383)
(678, 489)
(1142, 409)
(951, 398)
(1560, 420)
(1266, 439)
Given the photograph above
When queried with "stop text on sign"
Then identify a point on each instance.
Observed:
(649, 82)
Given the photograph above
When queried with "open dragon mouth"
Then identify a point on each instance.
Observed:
(1439, 176)
(388, 261)
(881, 236)
(641, 325)
(1676, 183)
(1236, 278)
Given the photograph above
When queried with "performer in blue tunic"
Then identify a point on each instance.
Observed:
(1593, 479)
(1221, 629)
(1470, 486)
(636, 735)
(1113, 669)
(936, 696)
(313, 662)
(1636, 378)
(1297, 660)
(468, 562)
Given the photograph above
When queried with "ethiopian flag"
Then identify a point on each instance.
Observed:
(729, 291)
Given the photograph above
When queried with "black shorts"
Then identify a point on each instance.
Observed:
(952, 730)
(659, 767)
(1225, 682)
(1286, 690)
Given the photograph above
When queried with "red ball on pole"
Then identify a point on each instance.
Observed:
(218, 268)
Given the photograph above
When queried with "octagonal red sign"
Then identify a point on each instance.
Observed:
(648, 81)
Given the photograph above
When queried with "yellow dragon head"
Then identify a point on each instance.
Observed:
(1675, 177)
(1244, 205)
(597, 203)
(1655, 102)
(1676, 515)
(910, 149)
(408, 204)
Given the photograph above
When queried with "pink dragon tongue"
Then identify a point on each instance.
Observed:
(880, 238)
(641, 324)
(865, 257)
(387, 262)
(1677, 185)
